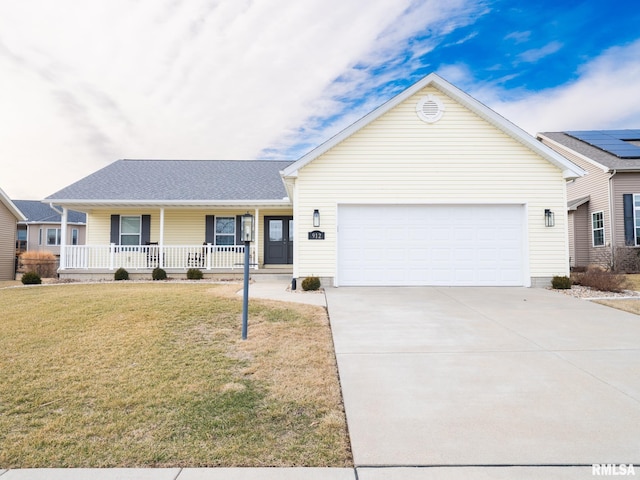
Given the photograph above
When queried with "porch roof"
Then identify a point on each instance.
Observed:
(180, 182)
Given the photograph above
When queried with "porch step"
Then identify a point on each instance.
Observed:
(271, 277)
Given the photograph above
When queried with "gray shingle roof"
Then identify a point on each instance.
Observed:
(604, 158)
(180, 180)
(38, 212)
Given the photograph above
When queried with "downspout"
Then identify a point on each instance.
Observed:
(612, 218)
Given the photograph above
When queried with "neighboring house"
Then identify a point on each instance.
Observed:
(42, 229)
(431, 188)
(604, 205)
(9, 216)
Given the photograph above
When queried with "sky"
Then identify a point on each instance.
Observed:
(85, 83)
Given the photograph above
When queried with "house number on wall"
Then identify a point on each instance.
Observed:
(316, 235)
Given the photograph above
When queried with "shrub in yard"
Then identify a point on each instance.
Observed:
(194, 274)
(159, 274)
(600, 279)
(42, 263)
(31, 278)
(561, 283)
(311, 283)
(121, 274)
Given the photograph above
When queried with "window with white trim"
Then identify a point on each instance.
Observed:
(636, 217)
(130, 230)
(53, 236)
(225, 230)
(597, 226)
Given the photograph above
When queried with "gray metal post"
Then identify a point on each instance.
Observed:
(245, 296)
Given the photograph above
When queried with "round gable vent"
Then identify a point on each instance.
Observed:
(430, 109)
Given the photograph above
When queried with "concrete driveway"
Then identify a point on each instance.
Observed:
(484, 377)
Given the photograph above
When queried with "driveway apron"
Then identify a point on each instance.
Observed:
(466, 376)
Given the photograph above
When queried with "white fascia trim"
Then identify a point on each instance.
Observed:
(353, 128)
(192, 203)
(573, 152)
(569, 169)
(4, 198)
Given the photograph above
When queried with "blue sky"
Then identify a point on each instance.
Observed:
(83, 84)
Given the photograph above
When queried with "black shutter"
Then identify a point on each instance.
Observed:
(210, 229)
(239, 230)
(629, 237)
(146, 230)
(115, 229)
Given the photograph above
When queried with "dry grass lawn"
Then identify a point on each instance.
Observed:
(155, 374)
(627, 305)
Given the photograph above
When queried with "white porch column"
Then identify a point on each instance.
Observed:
(161, 240)
(63, 238)
(257, 238)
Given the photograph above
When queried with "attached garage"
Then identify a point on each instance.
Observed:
(431, 188)
(452, 245)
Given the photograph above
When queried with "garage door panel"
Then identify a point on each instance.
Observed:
(431, 245)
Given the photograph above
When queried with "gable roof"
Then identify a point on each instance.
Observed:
(38, 212)
(590, 152)
(569, 170)
(15, 211)
(179, 182)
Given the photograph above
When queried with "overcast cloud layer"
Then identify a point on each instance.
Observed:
(83, 84)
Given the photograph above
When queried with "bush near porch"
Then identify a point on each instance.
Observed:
(148, 374)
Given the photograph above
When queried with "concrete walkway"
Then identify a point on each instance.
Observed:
(464, 382)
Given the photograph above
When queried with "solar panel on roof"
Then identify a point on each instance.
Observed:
(611, 141)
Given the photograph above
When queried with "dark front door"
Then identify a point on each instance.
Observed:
(278, 240)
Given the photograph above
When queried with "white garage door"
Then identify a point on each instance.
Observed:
(431, 245)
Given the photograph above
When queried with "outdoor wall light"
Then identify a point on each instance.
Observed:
(316, 218)
(549, 218)
(246, 231)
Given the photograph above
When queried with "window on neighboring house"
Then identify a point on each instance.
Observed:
(225, 230)
(130, 230)
(40, 237)
(53, 236)
(74, 236)
(597, 225)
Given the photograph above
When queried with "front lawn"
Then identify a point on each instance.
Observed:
(155, 374)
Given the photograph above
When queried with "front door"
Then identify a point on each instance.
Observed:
(278, 240)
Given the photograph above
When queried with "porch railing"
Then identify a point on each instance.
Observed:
(136, 257)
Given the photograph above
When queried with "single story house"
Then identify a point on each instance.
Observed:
(604, 204)
(42, 229)
(9, 216)
(430, 188)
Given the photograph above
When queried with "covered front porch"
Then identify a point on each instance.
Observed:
(142, 239)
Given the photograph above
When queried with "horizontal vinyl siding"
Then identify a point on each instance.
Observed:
(460, 159)
(181, 226)
(8, 228)
(622, 183)
(594, 184)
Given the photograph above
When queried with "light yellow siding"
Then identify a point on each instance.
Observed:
(397, 158)
(182, 226)
(8, 229)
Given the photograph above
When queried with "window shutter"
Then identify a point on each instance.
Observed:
(115, 229)
(146, 230)
(629, 237)
(239, 230)
(210, 229)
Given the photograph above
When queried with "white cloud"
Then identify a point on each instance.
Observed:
(535, 54)
(85, 83)
(604, 96)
